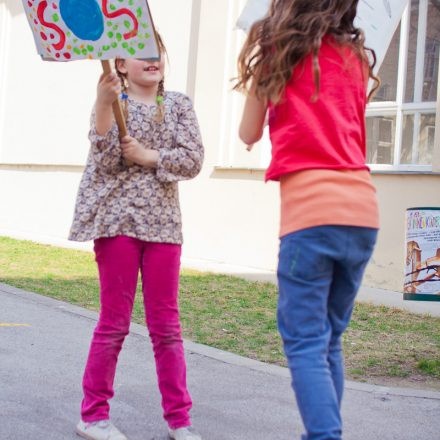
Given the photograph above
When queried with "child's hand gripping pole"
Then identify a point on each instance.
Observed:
(117, 109)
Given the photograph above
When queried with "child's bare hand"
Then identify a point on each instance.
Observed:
(109, 89)
(133, 151)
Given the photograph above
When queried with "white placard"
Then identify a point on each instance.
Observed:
(378, 18)
(66, 30)
(253, 11)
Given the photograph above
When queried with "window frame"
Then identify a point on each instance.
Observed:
(232, 104)
(400, 108)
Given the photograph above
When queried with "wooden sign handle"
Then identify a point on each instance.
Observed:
(117, 109)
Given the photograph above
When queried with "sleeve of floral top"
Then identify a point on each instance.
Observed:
(105, 151)
(183, 161)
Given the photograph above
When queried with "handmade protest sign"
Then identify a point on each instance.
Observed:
(66, 30)
(378, 18)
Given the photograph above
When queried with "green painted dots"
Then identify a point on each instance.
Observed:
(114, 33)
(55, 17)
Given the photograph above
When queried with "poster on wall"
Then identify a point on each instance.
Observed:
(422, 261)
(378, 18)
(66, 30)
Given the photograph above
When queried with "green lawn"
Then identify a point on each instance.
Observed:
(382, 345)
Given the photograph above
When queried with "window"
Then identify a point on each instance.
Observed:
(401, 118)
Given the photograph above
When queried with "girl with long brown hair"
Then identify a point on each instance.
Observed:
(306, 65)
(132, 213)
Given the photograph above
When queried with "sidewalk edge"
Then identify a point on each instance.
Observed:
(215, 353)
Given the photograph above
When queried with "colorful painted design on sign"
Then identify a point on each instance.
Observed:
(67, 30)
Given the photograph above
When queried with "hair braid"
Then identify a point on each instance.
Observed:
(160, 98)
(123, 80)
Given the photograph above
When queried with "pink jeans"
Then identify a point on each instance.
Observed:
(119, 260)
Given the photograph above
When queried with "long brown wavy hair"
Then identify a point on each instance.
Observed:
(292, 30)
(160, 113)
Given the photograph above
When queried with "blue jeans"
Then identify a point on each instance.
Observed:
(319, 273)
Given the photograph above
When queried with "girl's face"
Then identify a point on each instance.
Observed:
(142, 73)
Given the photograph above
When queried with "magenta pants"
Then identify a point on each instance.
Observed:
(119, 260)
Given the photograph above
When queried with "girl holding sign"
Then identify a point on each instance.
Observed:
(306, 64)
(132, 213)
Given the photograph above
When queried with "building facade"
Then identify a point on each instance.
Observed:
(230, 215)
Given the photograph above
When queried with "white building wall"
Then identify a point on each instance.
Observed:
(229, 214)
(44, 120)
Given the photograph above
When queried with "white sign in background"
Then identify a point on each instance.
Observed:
(378, 18)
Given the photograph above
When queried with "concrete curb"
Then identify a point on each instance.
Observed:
(214, 353)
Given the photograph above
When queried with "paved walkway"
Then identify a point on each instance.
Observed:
(235, 398)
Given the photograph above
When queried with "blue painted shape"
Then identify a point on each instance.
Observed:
(83, 17)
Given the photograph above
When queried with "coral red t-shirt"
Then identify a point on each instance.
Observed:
(330, 132)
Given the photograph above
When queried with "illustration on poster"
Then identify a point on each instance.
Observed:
(422, 262)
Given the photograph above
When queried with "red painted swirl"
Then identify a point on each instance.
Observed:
(40, 12)
(118, 13)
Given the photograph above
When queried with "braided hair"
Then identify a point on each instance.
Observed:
(124, 87)
(160, 101)
(160, 97)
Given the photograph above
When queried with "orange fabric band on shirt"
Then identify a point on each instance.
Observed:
(321, 197)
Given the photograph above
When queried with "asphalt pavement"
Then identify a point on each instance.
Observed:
(43, 348)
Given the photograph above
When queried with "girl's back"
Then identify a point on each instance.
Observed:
(327, 131)
(306, 63)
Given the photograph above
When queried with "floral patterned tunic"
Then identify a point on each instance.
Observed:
(116, 199)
